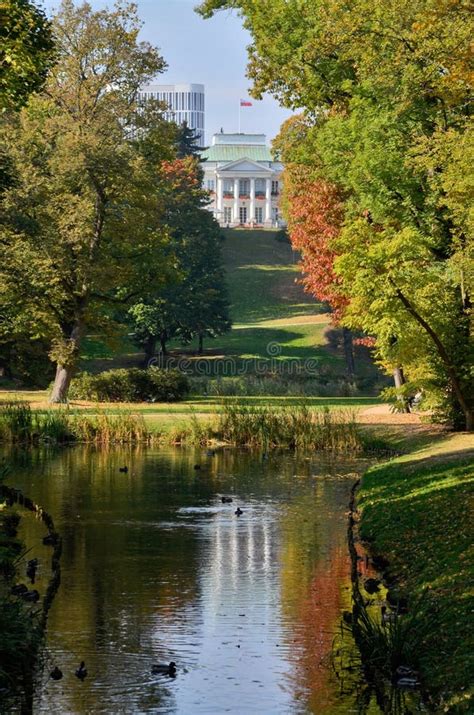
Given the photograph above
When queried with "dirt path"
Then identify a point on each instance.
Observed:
(382, 415)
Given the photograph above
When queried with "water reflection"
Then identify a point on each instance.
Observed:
(155, 568)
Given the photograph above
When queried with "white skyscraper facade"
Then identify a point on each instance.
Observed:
(186, 103)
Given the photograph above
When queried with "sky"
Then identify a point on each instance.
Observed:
(210, 52)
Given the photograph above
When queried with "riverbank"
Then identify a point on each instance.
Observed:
(416, 512)
(23, 608)
(20, 627)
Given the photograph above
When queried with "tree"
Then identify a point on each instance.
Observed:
(315, 210)
(386, 91)
(193, 303)
(26, 51)
(187, 142)
(83, 228)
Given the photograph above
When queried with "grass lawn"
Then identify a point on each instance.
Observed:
(418, 510)
(262, 278)
(272, 316)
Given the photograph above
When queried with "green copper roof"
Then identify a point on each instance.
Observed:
(232, 152)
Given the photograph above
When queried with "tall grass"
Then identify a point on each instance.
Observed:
(293, 427)
(20, 425)
(387, 646)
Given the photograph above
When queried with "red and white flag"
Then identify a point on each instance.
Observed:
(245, 103)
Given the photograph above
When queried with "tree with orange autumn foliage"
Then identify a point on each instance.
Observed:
(386, 94)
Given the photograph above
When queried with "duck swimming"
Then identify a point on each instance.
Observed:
(238, 511)
(56, 674)
(226, 500)
(124, 470)
(164, 669)
(81, 672)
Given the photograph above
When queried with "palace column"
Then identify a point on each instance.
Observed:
(251, 218)
(219, 200)
(236, 201)
(268, 201)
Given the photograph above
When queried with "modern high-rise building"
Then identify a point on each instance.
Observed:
(185, 104)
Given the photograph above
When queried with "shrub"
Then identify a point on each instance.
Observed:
(132, 385)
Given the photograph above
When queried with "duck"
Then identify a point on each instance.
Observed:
(31, 569)
(197, 466)
(31, 596)
(81, 672)
(372, 585)
(56, 673)
(124, 470)
(19, 589)
(238, 511)
(170, 669)
(226, 500)
(51, 539)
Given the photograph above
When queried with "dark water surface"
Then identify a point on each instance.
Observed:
(155, 568)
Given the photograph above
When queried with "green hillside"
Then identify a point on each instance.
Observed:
(275, 323)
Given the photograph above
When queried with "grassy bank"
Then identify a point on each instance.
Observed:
(20, 628)
(416, 511)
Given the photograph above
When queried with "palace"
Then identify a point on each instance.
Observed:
(243, 181)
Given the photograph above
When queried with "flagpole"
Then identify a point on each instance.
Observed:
(240, 109)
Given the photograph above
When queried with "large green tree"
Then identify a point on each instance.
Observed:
(193, 302)
(386, 91)
(26, 51)
(82, 225)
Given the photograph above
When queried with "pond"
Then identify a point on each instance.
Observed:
(155, 568)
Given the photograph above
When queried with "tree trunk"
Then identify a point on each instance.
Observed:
(348, 352)
(150, 350)
(399, 380)
(66, 362)
(464, 402)
(64, 375)
(163, 350)
(201, 344)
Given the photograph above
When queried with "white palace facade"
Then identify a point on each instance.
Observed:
(243, 180)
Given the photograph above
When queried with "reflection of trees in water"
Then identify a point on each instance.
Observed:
(315, 586)
(132, 568)
(122, 576)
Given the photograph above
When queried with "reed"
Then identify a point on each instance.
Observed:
(16, 422)
(104, 428)
(387, 646)
(20, 425)
(294, 427)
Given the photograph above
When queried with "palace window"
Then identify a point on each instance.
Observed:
(243, 215)
(244, 187)
(275, 188)
(259, 215)
(227, 214)
(260, 187)
(228, 188)
(210, 185)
